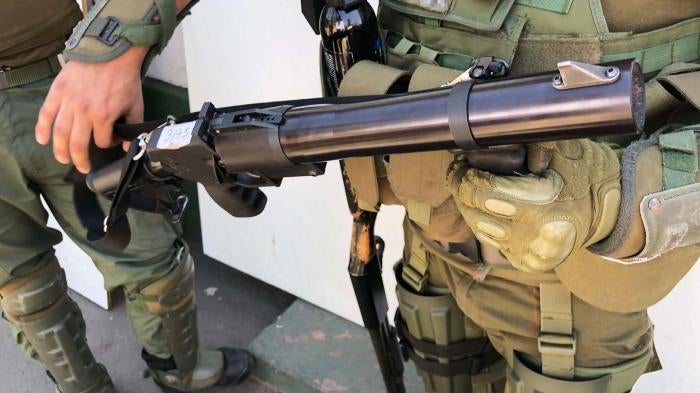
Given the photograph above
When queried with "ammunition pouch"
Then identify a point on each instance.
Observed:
(450, 355)
(520, 378)
(38, 306)
(172, 299)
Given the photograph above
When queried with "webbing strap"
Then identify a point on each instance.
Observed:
(560, 6)
(679, 151)
(140, 33)
(465, 348)
(402, 46)
(656, 49)
(470, 366)
(415, 270)
(29, 73)
(557, 340)
(167, 12)
(461, 262)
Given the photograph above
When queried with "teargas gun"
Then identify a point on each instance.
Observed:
(234, 151)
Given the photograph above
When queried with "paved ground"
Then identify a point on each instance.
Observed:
(233, 309)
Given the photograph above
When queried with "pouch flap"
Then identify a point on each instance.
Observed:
(487, 15)
(362, 174)
(366, 78)
(420, 177)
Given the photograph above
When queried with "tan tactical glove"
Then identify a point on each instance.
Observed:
(538, 220)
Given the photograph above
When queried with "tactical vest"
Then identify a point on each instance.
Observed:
(34, 30)
(532, 35)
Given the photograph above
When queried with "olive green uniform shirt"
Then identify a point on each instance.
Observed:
(34, 30)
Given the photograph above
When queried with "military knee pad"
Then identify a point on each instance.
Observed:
(522, 378)
(39, 307)
(172, 299)
(450, 358)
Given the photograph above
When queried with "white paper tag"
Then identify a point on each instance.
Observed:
(176, 136)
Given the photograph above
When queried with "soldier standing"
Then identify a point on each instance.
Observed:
(539, 282)
(100, 83)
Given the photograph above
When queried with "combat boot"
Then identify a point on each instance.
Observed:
(51, 328)
(189, 368)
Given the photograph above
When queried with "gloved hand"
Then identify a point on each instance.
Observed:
(570, 201)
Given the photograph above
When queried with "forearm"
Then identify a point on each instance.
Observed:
(101, 81)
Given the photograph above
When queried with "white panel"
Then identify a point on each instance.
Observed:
(677, 323)
(82, 275)
(240, 53)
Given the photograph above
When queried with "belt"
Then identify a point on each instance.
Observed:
(26, 74)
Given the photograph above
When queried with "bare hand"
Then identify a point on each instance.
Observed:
(85, 100)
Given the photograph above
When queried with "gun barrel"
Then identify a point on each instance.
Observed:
(400, 124)
(467, 116)
(529, 109)
(289, 140)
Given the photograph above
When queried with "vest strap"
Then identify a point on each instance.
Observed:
(560, 6)
(679, 152)
(658, 48)
(557, 340)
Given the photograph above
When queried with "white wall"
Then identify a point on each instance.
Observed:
(243, 52)
(238, 53)
(170, 66)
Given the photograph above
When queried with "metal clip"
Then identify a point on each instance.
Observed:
(143, 144)
(179, 209)
(573, 75)
(146, 137)
(483, 68)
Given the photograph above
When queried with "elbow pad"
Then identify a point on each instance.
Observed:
(113, 26)
(660, 208)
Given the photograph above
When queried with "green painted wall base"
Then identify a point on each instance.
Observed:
(309, 350)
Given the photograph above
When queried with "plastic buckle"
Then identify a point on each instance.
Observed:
(106, 35)
(557, 344)
(413, 278)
